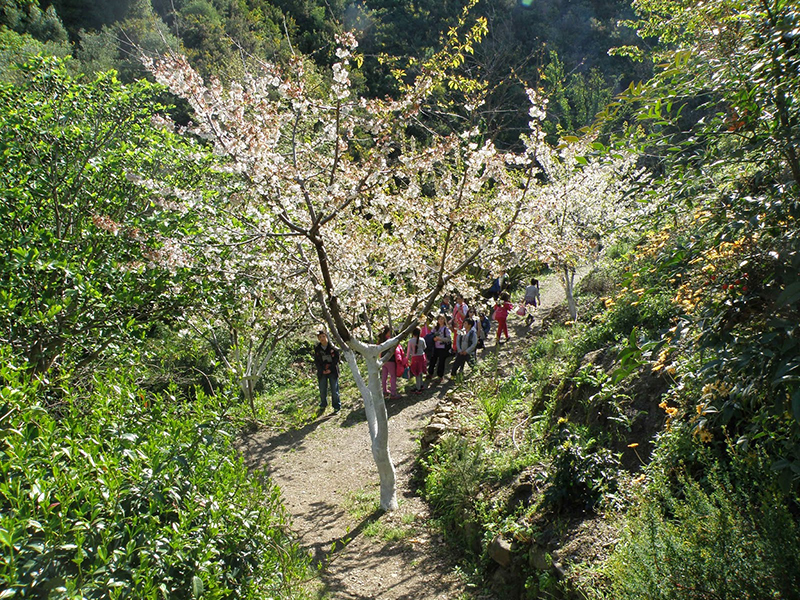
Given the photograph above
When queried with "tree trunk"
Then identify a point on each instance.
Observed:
(377, 417)
(569, 284)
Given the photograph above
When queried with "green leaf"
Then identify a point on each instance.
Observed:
(197, 586)
(790, 295)
(796, 405)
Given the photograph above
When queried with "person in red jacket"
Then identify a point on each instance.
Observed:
(501, 310)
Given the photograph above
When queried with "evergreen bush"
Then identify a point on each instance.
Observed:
(133, 495)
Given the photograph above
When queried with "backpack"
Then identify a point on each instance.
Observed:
(429, 344)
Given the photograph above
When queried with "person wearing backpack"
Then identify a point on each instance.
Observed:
(466, 344)
(441, 343)
(394, 364)
(417, 358)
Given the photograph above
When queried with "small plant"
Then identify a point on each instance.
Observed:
(362, 503)
(494, 400)
(581, 473)
(455, 471)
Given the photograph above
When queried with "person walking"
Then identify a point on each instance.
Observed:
(532, 300)
(326, 359)
(466, 344)
(501, 310)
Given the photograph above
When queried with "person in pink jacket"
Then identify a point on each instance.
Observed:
(393, 361)
(417, 358)
(501, 310)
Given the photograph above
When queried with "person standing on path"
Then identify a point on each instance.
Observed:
(441, 342)
(416, 354)
(501, 310)
(532, 298)
(326, 359)
(393, 361)
(466, 343)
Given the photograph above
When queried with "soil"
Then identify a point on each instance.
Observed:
(329, 484)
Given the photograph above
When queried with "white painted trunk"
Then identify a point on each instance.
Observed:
(377, 417)
(569, 285)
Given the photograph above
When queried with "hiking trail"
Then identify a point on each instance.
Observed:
(329, 484)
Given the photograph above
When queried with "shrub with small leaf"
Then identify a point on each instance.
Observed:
(727, 534)
(580, 474)
(133, 495)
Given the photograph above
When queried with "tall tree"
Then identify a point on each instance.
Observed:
(379, 223)
(89, 256)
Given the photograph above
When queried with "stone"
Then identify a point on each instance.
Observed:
(500, 551)
(538, 558)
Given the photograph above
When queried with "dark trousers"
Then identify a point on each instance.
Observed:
(460, 360)
(332, 381)
(438, 360)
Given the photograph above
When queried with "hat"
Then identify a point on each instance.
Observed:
(322, 332)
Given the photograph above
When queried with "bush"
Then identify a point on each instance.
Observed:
(456, 468)
(729, 534)
(129, 495)
(581, 473)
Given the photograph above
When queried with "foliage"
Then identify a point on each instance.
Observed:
(581, 472)
(26, 17)
(727, 534)
(495, 397)
(455, 471)
(91, 257)
(17, 49)
(135, 495)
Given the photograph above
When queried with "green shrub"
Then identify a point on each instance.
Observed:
(727, 535)
(128, 495)
(455, 470)
(651, 313)
(580, 474)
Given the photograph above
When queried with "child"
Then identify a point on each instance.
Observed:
(501, 310)
(531, 298)
(419, 362)
(467, 343)
(393, 360)
(442, 340)
(486, 326)
(459, 314)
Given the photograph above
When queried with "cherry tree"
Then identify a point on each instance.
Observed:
(377, 222)
(585, 196)
(254, 313)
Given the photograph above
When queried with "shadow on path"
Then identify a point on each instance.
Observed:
(324, 552)
(257, 448)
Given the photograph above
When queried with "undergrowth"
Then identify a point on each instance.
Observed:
(123, 493)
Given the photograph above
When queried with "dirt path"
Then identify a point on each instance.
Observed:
(330, 486)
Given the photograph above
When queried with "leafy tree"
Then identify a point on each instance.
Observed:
(723, 112)
(373, 223)
(90, 256)
(25, 16)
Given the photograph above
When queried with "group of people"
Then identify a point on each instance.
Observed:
(459, 330)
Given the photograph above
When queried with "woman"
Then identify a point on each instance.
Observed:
(442, 339)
